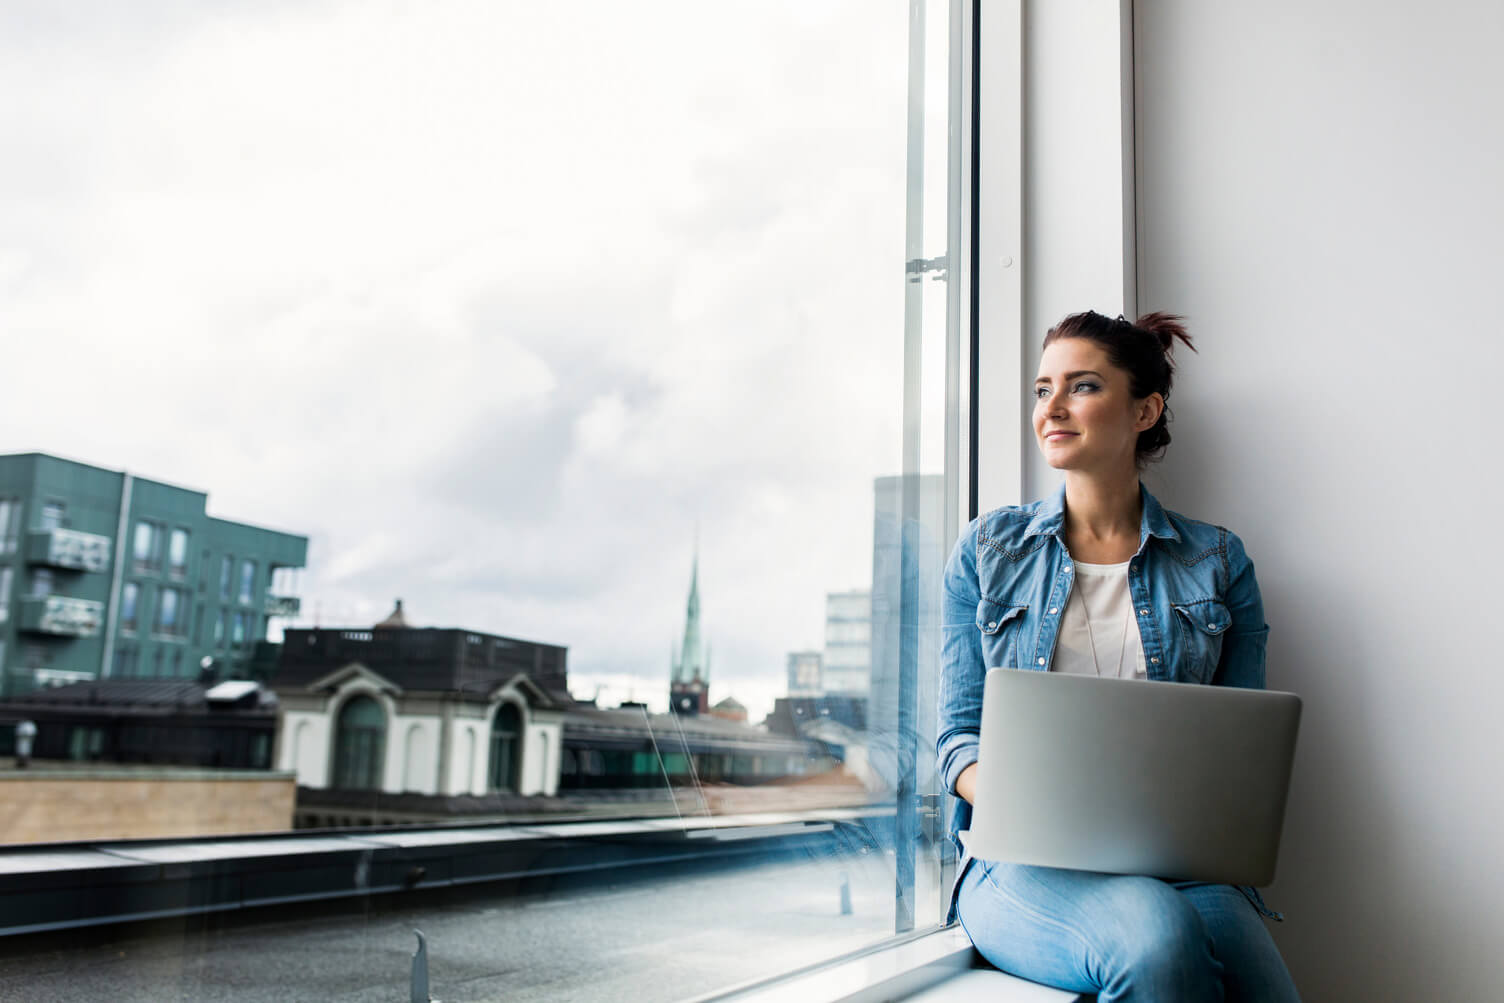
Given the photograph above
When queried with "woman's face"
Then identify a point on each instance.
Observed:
(1085, 415)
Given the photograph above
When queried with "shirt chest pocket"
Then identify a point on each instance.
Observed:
(1001, 625)
(1199, 629)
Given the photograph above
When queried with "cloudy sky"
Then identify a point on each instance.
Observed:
(495, 302)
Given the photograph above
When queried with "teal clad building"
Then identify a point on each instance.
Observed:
(104, 574)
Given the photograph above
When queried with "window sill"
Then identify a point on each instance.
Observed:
(935, 966)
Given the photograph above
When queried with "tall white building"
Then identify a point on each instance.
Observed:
(805, 674)
(847, 662)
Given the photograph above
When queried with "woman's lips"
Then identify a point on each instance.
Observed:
(1052, 436)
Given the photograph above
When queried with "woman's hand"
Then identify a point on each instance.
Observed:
(966, 784)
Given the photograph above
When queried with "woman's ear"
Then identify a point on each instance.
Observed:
(1147, 412)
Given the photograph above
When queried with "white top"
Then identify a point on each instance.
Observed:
(1099, 633)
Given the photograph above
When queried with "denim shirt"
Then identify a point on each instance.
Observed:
(1007, 585)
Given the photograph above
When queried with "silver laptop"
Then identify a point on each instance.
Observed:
(1124, 776)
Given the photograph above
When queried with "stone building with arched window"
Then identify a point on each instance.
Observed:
(401, 709)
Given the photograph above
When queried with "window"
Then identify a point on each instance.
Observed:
(10, 519)
(170, 603)
(146, 548)
(247, 581)
(42, 582)
(6, 575)
(506, 742)
(735, 332)
(177, 553)
(359, 745)
(52, 515)
(127, 663)
(130, 597)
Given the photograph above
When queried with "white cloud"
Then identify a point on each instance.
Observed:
(495, 302)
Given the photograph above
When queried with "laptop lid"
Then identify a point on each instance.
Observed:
(1123, 776)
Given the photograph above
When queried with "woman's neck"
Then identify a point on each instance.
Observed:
(1102, 518)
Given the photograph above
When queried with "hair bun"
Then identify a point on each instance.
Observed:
(1166, 328)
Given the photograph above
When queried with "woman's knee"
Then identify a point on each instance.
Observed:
(1158, 939)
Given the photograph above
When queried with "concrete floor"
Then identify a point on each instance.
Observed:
(651, 934)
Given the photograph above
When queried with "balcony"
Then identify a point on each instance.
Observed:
(61, 616)
(68, 548)
(281, 605)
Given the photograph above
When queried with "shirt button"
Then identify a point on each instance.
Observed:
(1155, 659)
(1066, 570)
(1143, 612)
(1041, 661)
(1054, 609)
(992, 625)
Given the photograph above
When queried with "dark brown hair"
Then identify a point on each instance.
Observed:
(1144, 349)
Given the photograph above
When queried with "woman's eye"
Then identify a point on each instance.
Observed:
(1040, 393)
(1084, 387)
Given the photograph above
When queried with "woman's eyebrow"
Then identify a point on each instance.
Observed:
(1071, 376)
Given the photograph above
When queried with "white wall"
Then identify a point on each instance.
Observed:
(305, 747)
(418, 736)
(1321, 191)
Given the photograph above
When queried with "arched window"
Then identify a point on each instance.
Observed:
(359, 745)
(506, 749)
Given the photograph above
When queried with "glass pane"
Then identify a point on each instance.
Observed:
(583, 329)
(128, 597)
(177, 552)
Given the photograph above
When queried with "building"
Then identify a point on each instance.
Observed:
(107, 575)
(793, 715)
(847, 663)
(445, 722)
(805, 673)
(437, 711)
(180, 722)
(729, 709)
(689, 672)
(631, 748)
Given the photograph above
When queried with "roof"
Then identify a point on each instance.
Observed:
(422, 659)
(394, 620)
(146, 697)
(118, 692)
(635, 728)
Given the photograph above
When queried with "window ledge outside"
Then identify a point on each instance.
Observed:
(941, 965)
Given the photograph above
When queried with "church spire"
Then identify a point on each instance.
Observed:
(689, 675)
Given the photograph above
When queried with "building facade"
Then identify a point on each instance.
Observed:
(107, 575)
(847, 659)
(805, 673)
(400, 709)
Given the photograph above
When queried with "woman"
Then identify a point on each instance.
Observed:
(1099, 579)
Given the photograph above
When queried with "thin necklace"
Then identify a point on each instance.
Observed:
(1091, 635)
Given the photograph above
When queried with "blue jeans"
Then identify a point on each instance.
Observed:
(1126, 938)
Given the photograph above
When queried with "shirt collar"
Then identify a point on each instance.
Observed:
(1049, 519)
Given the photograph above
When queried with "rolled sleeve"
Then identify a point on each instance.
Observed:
(962, 673)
